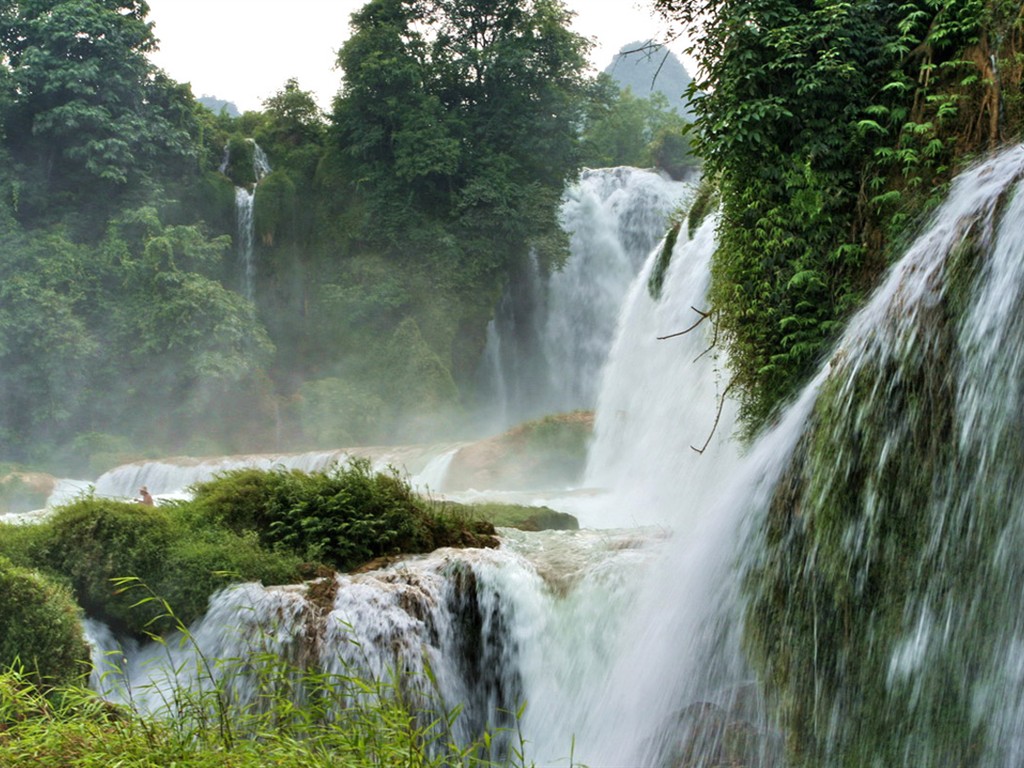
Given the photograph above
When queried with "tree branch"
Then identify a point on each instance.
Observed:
(703, 316)
(718, 417)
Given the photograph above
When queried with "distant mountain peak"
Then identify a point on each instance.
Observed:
(215, 105)
(646, 67)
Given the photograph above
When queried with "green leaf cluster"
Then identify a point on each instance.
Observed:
(92, 542)
(827, 126)
(342, 518)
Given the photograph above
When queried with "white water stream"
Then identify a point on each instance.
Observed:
(550, 338)
(245, 203)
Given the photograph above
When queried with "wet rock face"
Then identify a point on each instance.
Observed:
(548, 453)
(710, 736)
(24, 491)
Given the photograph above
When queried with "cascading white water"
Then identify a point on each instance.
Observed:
(423, 465)
(551, 335)
(663, 432)
(245, 202)
(475, 616)
(632, 642)
(680, 679)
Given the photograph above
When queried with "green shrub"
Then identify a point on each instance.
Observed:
(239, 168)
(343, 517)
(199, 564)
(39, 627)
(274, 208)
(341, 720)
(93, 542)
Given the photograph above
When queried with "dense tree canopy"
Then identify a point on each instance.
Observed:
(87, 110)
(463, 111)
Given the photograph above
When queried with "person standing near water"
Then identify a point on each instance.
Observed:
(145, 497)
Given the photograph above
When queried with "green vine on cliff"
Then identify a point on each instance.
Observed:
(829, 127)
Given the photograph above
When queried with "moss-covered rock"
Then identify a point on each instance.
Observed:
(93, 544)
(546, 453)
(40, 627)
(657, 278)
(523, 517)
(342, 518)
(241, 153)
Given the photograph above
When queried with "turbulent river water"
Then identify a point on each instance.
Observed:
(867, 545)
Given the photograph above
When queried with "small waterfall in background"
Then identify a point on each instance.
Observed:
(245, 201)
(551, 334)
(423, 465)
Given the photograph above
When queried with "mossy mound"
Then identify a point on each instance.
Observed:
(525, 518)
(40, 629)
(342, 518)
(546, 453)
(271, 526)
(92, 543)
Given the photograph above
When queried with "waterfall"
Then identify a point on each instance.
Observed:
(424, 465)
(866, 552)
(901, 514)
(551, 333)
(473, 616)
(660, 399)
(245, 202)
(848, 588)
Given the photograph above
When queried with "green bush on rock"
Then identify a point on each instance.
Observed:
(272, 526)
(39, 627)
(343, 517)
(92, 542)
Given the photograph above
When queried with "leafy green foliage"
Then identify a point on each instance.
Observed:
(88, 114)
(40, 629)
(624, 129)
(826, 128)
(343, 719)
(131, 325)
(92, 542)
(344, 517)
(449, 147)
(383, 237)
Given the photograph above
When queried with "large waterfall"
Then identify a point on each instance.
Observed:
(551, 334)
(849, 587)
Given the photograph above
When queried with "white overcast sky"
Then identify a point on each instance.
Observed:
(245, 50)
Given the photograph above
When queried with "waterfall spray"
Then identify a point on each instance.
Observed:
(845, 593)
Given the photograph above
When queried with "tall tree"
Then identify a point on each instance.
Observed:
(465, 112)
(90, 116)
